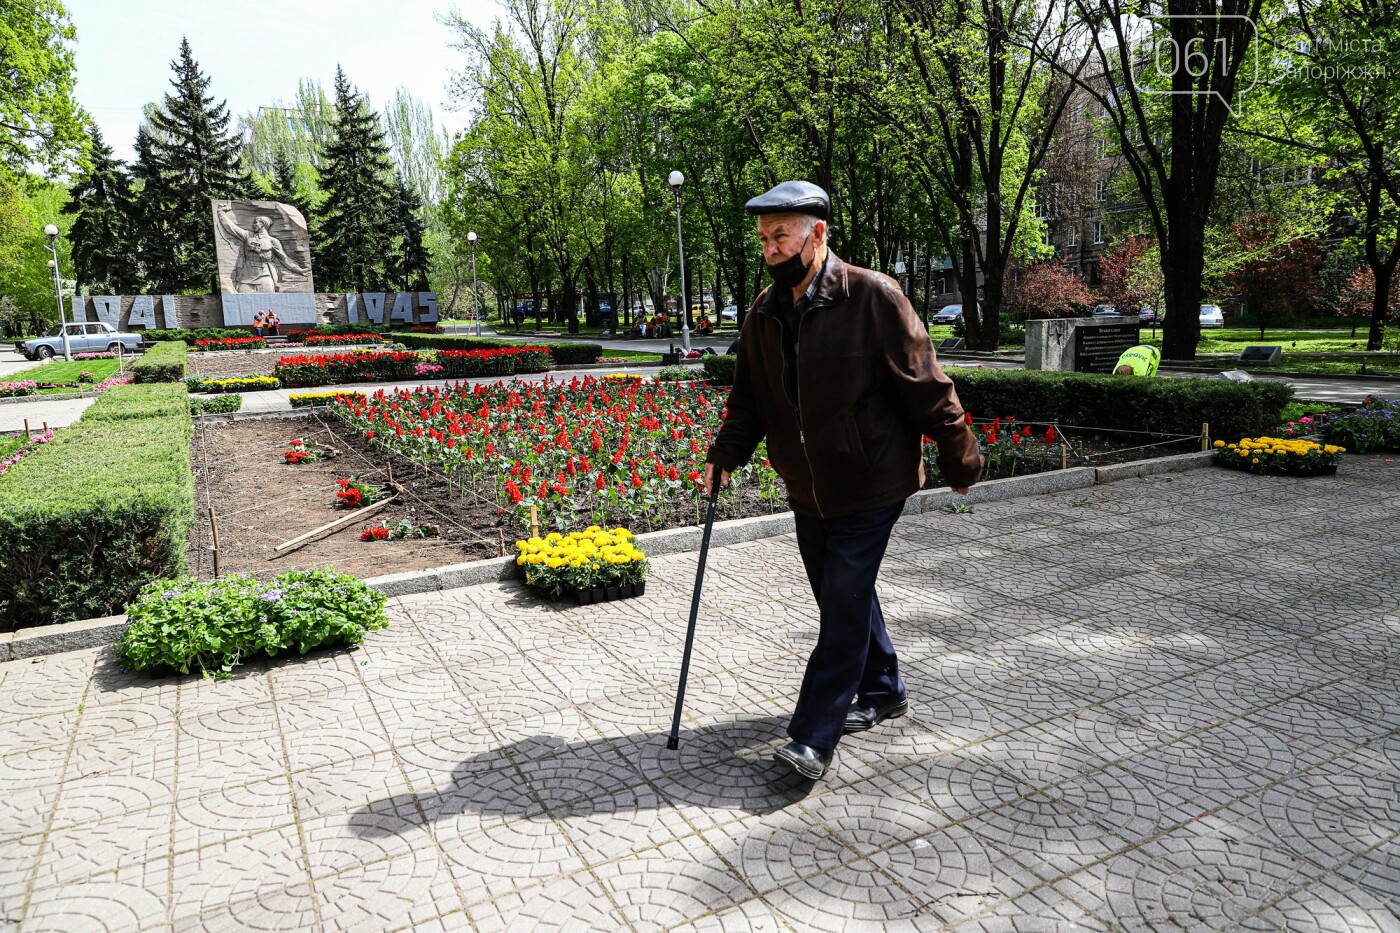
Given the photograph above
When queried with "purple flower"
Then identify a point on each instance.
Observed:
(271, 596)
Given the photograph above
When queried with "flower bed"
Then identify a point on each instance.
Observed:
(184, 625)
(221, 405)
(505, 361)
(231, 343)
(25, 449)
(240, 384)
(16, 389)
(1279, 456)
(329, 369)
(1373, 426)
(322, 340)
(589, 566)
(582, 452)
(308, 399)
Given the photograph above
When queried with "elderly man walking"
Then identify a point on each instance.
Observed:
(838, 373)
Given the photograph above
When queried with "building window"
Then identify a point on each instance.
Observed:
(1073, 237)
(1098, 232)
(1047, 237)
(1100, 187)
(1103, 148)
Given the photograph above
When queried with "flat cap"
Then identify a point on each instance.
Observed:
(792, 197)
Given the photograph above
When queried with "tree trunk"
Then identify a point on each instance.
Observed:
(1380, 305)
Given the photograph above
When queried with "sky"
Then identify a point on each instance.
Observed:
(255, 50)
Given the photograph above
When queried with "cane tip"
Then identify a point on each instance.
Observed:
(673, 743)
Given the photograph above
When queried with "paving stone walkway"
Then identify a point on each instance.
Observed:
(1165, 704)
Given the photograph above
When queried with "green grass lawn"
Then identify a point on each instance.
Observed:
(1235, 339)
(9, 445)
(59, 371)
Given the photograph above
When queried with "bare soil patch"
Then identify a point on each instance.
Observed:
(261, 501)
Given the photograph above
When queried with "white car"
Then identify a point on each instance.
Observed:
(730, 313)
(1212, 316)
(948, 314)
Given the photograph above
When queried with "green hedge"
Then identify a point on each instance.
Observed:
(1168, 406)
(571, 354)
(105, 507)
(164, 362)
(188, 337)
(218, 405)
(719, 370)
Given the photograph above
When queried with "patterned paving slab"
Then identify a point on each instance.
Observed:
(1174, 707)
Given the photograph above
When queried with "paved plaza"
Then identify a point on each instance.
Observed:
(1169, 703)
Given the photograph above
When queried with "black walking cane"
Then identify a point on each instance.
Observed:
(673, 741)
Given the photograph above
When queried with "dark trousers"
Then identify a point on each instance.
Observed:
(853, 656)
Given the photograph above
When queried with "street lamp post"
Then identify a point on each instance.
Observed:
(51, 232)
(476, 294)
(675, 180)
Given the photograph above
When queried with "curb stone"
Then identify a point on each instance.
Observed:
(90, 633)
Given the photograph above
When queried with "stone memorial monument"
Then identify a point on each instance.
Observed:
(264, 257)
(1078, 344)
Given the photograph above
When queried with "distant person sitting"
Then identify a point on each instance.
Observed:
(1138, 361)
(703, 327)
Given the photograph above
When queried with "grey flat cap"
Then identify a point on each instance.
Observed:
(792, 197)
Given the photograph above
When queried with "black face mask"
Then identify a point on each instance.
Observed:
(791, 271)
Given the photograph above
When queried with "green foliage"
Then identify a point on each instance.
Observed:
(164, 362)
(104, 240)
(197, 333)
(92, 516)
(678, 373)
(719, 370)
(60, 372)
(356, 176)
(570, 354)
(40, 120)
(1370, 428)
(26, 281)
(452, 342)
(1166, 406)
(219, 405)
(183, 625)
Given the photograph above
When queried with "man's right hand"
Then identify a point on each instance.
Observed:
(710, 478)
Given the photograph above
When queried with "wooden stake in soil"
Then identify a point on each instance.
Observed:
(534, 522)
(1064, 457)
(26, 429)
(502, 534)
(1205, 435)
(214, 527)
(303, 540)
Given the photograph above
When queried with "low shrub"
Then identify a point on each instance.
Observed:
(505, 361)
(164, 362)
(308, 399)
(719, 370)
(241, 384)
(1166, 406)
(183, 625)
(1374, 426)
(105, 507)
(450, 341)
(231, 343)
(332, 368)
(678, 373)
(572, 354)
(193, 335)
(219, 405)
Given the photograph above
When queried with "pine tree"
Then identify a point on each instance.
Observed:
(284, 181)
(102, 236)
(156, 261)
(408, 270)
(353, 218)
(194, 159)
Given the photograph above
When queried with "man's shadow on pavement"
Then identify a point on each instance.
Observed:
(724, 765)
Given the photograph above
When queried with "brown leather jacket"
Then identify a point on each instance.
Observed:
(868, 390)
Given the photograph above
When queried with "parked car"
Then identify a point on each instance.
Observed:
(948, 314)
(1148, 315)
(1105, 312)
(1212, 316)
(730, 313)
(82, 338)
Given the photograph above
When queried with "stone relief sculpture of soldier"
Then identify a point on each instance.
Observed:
(260, 255)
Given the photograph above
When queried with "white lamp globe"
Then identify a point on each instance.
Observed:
(675, 179)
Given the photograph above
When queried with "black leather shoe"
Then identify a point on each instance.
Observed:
(807, 761)
(864, 717)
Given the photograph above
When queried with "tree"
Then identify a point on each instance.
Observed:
(353, 220)
(1044, 289)
(25, 277)
(40, 121)
(1167, 128)
(1276, 273)
(103, 238)
(1358, 297)
(407, 268)
(185, 159)
(286, 186)
(1130, 275)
